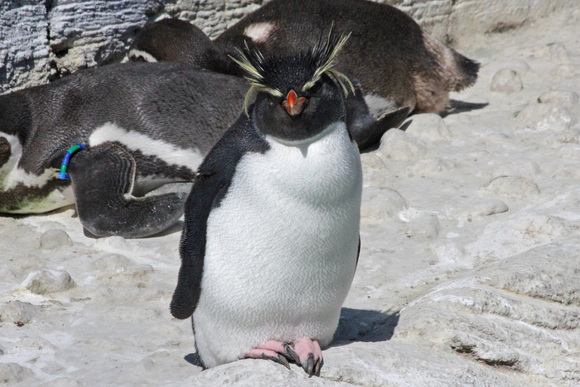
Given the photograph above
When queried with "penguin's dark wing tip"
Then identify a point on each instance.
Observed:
(182, 306)
(192, 246)
(371, 135)
(209, 188)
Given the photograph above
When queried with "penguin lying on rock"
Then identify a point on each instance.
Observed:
(398, 67)
(143, 125)
(271, 235)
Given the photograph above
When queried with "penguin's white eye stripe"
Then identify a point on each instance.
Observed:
(274, 92)
(310, 83)
(253, 90)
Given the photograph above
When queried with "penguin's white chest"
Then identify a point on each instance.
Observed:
(281, 247)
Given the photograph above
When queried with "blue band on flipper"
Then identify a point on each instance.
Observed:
(62, 174)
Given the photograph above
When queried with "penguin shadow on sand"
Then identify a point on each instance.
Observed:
(454, 107)
(364, 325)
(355, 325)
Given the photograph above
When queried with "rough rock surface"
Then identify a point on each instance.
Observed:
(457, 284)
(43, 40)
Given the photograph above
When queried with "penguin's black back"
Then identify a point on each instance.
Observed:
(165, 101)
(175, 40)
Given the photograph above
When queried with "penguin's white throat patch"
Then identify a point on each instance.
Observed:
(305, 143)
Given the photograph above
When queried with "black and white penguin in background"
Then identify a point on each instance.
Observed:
(271, 236)
(143, 126)
(396, 66)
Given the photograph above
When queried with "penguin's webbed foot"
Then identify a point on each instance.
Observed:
(309, 355)
(103, 178)
(306, 353)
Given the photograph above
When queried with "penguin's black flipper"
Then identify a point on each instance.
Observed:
(365, 128)
(210, 186)
(370, 134)
(102, 179)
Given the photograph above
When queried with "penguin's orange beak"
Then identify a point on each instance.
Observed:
(293, 104)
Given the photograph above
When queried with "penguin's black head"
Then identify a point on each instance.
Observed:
(296, 97)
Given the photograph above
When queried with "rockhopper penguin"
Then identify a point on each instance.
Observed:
(271, 235)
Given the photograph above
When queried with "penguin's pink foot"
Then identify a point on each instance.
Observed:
(306, 353)
(273, 350)
(309, 355)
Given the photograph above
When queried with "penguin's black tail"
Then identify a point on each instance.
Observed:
(466, 71)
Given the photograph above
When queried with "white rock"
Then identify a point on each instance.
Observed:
(520, 314)
(567, 98)
(114, 242)
(63, 382)
(380, 204)
(428, 127)
(517, 64)
(6, 273)
(507, 81)
(546, 116)
(427, 167)
(12, 373)
(398, 145)
(37, 343)
(55, 239)
(18, 312)
(518, 167)
(569, 151)
(135, 272)
(515, 187)
(559, 53)
(48, 281)
(111, 262)
(565, 71)
(519, 233)
(567, 172)
(424, 227)
(478, 208)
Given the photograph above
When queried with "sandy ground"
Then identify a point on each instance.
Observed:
(469, 272)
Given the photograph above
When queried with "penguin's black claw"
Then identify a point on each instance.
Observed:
(292, 355)
(318, 367)
(309, 356)
(279, 352)
(278, 359)
(308, 365)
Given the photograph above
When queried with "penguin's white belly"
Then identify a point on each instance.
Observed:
(281, 248)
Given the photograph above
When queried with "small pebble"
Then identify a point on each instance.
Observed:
(428, 127)
(55, 239)
(515, 187)
(13, 373)
(506, 81)
(18, 312)
(546, 116)
(48, 281)
(401, 146)
(565, 97)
